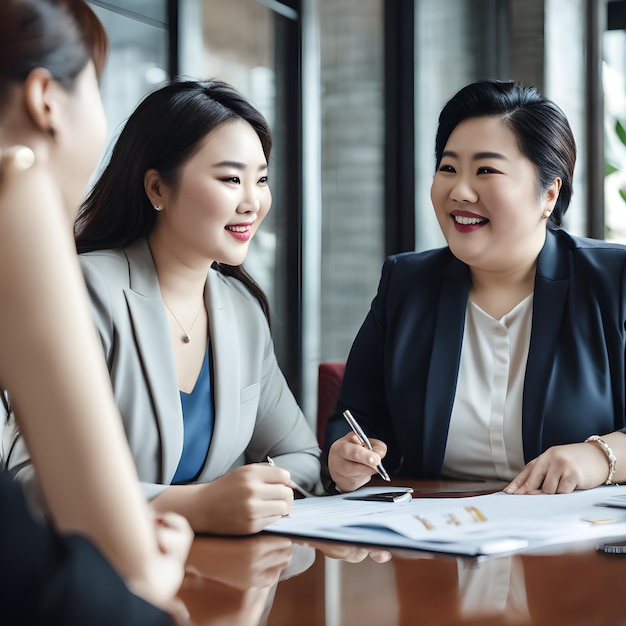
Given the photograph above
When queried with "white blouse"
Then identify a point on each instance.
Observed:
(485, 435)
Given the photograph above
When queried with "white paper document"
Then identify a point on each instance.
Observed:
(497, 523)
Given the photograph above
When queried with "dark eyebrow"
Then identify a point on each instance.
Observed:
(489, 155)
(238, 165)
(476, 157)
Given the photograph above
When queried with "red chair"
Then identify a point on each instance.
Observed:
(330, 375)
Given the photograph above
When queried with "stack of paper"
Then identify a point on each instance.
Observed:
(497, 523)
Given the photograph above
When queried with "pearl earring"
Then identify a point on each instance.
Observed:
(157, 207)
(19, 157)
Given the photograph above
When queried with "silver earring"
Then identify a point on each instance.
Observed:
(158, 207)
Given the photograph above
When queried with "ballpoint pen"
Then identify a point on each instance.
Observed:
(301, 490)
(358, 431)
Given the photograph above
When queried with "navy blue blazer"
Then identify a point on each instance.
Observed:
(402, 370)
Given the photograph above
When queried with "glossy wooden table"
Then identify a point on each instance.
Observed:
(276, 581)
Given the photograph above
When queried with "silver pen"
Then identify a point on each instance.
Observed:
(301, 490)
(358, 431)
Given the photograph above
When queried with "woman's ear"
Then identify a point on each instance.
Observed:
(154, 188)
(41, 99)
(552, 194)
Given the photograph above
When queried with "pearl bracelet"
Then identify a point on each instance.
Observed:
(609, 455)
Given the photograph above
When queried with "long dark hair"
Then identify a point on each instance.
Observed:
(163, 133)
(61, 36)
(543, 133)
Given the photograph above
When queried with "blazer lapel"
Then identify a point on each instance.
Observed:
(150, 328)
(444, 365)
(226, 353)
(551, 287)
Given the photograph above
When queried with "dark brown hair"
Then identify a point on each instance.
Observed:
(61, 36)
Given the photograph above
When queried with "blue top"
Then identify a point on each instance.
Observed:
(198, 418)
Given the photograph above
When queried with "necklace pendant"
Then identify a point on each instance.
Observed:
(185, 336)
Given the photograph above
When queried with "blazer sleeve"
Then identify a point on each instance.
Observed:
(48, 579)
(100, 306)
(282, 430)
(17, 460)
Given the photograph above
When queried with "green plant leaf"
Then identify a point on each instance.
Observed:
(622, 192)
(621, 132)
(609, 169)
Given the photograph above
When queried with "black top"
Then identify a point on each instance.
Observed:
(48, 579)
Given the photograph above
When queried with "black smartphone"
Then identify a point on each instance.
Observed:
(613, 547)
(383, 496)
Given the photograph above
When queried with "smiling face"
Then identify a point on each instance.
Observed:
(220, 199)
(486, 198)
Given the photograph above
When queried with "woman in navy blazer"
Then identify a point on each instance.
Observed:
(415, 375)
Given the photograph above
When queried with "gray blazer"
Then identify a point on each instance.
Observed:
(255, 412)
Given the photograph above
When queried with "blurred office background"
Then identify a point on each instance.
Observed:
(352, 90)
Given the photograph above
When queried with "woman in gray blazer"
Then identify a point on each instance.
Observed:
(184, 328)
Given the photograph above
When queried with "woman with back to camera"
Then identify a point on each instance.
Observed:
(51, 132)
(184, 328)
(500, 356)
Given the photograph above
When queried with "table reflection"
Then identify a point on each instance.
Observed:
(232, 581)
(572, 585)
(466, 591)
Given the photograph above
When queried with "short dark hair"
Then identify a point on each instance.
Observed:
(163, 133)
(543, 133)
(61, 36)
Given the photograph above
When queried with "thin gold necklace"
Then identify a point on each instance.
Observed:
(186, 338)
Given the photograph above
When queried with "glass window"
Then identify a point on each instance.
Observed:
(614, 85)
(352, 161)
(137, 62)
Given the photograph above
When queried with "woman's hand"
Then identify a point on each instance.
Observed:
(561, 469)
(244, 501)
(164, 574)
(351, 465)
(248, 562)
(348, 552)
